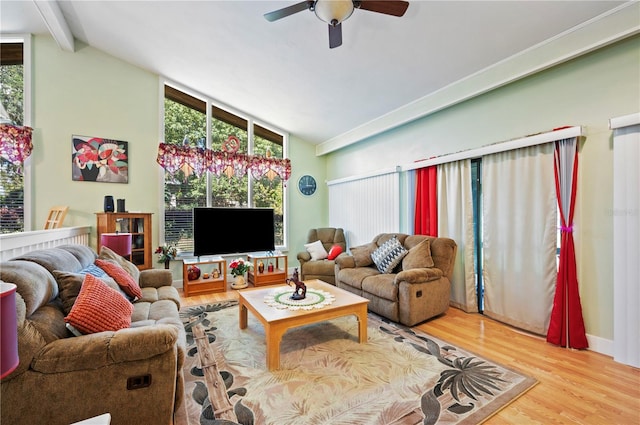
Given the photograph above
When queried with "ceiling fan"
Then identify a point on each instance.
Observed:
(333, 12)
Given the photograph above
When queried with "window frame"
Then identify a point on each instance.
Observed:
(27, 168)
(211, 103)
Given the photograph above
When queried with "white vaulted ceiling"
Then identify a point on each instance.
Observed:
(284, 73)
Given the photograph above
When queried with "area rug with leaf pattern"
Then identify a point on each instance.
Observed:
(401, 376)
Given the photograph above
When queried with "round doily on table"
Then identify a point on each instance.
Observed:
(315, 298)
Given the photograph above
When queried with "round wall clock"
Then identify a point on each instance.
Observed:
(307, 185)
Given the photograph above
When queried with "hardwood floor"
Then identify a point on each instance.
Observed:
(574, 386)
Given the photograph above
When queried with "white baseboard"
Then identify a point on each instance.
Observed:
(600, 345)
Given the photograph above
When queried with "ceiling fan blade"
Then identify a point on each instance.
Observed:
(335, 35)
(388, 7)
(286, 11)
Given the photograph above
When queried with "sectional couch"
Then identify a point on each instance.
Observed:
(135, 373)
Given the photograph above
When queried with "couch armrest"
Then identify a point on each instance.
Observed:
(345, 261)
(88, 352)
(420, 275)
(155, 278)
(444, 252)
(303, 257)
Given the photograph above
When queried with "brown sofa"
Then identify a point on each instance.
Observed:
(135, 374)
(321, 269)
(417, 289)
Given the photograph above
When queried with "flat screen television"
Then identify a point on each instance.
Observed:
(218, 231)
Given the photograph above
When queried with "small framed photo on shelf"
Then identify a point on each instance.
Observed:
(122, 225)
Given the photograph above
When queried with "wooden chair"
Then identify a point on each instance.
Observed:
(56, 217)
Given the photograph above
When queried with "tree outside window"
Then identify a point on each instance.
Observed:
(11, 178)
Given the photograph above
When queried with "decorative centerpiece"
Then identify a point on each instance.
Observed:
(301, 289)
(167, 252)
(280, 298)
(239, 267)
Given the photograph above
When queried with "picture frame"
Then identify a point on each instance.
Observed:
(97, 159)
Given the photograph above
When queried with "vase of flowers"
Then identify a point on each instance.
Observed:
(238, 268)
(166, 253)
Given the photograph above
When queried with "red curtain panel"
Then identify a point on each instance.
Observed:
(426, 212)
(566, 327)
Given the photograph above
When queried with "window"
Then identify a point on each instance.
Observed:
(185, 122)
(476, 196)
(12, 100)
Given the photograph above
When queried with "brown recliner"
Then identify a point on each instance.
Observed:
(321, 269)
(418, 289)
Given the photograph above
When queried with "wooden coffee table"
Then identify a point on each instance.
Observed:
(276, 321)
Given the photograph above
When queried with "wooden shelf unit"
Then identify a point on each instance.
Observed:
(201, 285)
(277, 276)
(139, 225)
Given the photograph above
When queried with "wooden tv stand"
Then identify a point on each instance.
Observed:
(201, 285)
(277, 276)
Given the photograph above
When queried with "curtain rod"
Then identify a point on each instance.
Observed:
(377, 173)
(624, 121)
(536, 139)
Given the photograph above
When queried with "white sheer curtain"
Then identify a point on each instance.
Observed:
(626, 245)
(455, 220)
(520, 236)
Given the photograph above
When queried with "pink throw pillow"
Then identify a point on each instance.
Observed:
(122, 278)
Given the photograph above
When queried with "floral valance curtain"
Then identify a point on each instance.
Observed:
(15, 143)
(193, 160)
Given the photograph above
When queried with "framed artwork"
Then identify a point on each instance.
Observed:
(95, 159)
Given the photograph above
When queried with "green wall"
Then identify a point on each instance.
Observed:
(305, 212)
(90, 93)
(586, 91)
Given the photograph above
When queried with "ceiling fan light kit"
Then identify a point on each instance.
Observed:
(334, 12)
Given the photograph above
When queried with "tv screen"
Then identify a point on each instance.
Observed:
(218, 231)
